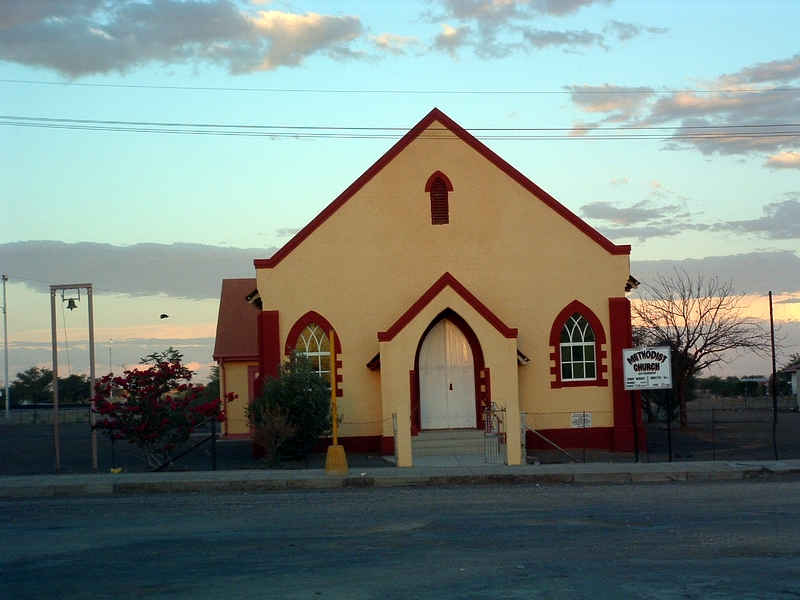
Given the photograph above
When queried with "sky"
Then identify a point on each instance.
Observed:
(152, 148)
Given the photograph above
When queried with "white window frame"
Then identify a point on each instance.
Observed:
(576, 327)
(313, 336)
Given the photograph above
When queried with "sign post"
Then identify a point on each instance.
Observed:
(648, 369)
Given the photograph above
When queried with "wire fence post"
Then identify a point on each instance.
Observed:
(669, 425)
(713, 439)
(213, 444)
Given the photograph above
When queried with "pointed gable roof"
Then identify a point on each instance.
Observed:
(446, 280)
(472, 141)
(237, 321)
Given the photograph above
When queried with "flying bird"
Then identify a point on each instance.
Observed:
(164, 316)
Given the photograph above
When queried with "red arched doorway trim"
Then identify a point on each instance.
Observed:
(477, 358)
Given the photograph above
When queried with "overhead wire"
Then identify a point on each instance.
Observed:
(678, 132)
(594, 90)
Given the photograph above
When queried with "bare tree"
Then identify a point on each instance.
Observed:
(701, 319)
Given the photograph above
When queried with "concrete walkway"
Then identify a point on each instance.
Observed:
(27, 486)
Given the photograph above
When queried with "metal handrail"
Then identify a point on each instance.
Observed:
(552, 443)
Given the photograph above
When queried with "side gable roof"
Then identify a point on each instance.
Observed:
(471, 140)
(237, 321)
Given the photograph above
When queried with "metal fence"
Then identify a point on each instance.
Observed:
(725, 434)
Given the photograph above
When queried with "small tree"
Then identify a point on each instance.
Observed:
(159, 406)
(34, 385)
(701, 320)
(293, 410)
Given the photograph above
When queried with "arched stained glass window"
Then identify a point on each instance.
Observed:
(577, 350)
(313, 342)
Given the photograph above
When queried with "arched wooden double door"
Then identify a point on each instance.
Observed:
(447, 364)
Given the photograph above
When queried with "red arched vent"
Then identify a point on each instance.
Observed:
(439, 185)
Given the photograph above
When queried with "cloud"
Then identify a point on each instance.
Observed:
(84, 37)
(624, 101)
(394, 44)
(781, 221)
(738, 113)
(541, 38)
(451, 39)
(789, 301)
(638, 213)
(662, 213)
(14, 13)
(284, 232)
(626, 31)
(784, 160)
(581, 128)
(499, 27)
(778, 271)
(782, 70)
(498, 12)
(177, 270)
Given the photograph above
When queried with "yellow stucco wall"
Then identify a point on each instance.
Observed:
(233, 378)
(367, 263)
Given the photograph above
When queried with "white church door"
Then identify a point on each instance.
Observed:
(446, 379)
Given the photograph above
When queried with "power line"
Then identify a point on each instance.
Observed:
(363, 128)
(678, 133)
(594, 90)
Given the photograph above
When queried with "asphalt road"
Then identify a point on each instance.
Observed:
(709, 541)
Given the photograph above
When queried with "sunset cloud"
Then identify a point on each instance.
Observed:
(394, 44)
(84, 37)
(749, 111)
(451, 39)
(497, 28)
(784, 160)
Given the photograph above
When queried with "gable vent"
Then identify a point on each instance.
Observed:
(440, 212)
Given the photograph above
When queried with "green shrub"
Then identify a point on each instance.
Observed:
(293, 410)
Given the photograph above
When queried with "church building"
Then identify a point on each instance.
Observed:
(456, 288)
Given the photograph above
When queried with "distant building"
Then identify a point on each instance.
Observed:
(793, 370)
(452, 282)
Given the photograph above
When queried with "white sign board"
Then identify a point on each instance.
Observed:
(647, 368)
(580, 419)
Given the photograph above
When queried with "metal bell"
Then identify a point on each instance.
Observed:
(71, 304)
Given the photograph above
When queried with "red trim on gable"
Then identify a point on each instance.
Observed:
(434, 177)
(446, 280)
(599, 354)
(472, 141)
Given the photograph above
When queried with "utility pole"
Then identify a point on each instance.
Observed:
(774, 383)
(5, 346)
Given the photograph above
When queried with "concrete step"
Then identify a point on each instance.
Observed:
(448, 442)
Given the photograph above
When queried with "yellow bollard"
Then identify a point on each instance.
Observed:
(335, 460)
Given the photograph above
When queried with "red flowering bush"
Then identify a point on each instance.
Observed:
(155, 407)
